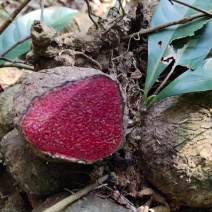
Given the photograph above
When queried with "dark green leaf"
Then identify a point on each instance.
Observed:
(195, 50)
(191, 81)
(158, 42)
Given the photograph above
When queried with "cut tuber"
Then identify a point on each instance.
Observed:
(71, 113)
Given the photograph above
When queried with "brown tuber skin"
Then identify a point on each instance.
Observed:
(69, 113)
(50, 49)
(6, 102)
(34, 175)
(176, 148)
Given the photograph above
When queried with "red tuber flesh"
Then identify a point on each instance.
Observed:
(79, 121)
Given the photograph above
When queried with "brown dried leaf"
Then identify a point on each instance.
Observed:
(136, 75)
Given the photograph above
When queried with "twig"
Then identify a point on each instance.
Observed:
(63, 203)
(72, 52)
(151, 30)
(15, 63)
(16, 44)
(193, 7)
(5, 59)
(42, 10)
(164, 81)
(118, 19)
(3, 196)
(89, 14)
(13, 15)
(122, 9)
(92, 60)
(128, 47)
(18, 65)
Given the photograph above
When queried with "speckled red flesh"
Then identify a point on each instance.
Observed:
(80, 121)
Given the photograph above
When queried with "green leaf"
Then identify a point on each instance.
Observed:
(190, 81)
(158, 42)
(195, 49)
(3, 14)
(57, 17)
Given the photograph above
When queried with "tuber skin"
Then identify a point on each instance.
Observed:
(50, 49)
(69, 113)
(6, 106)
(176, 148)
(34, 175)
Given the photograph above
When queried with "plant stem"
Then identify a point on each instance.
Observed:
(7, 22)
(89, 14)
(89, 58)
(42, 9)
(151, 30)
(18, 65)
(16, 44)
(195, 8)
(117, 20)
(165, 80)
